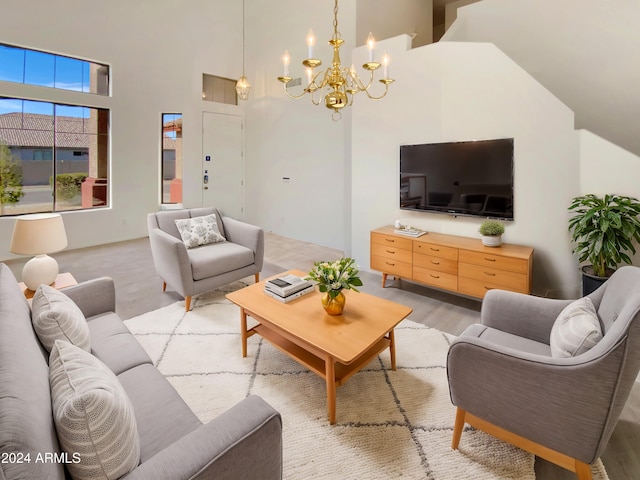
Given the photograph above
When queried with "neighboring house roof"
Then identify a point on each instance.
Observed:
(36, 130)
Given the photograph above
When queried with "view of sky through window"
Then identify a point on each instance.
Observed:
(21, 65)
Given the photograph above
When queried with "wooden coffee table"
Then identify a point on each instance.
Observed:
(335, 348)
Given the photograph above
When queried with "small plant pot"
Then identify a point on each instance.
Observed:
(492, 240)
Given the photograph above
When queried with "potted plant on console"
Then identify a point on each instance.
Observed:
(491, 231)
(603, 230)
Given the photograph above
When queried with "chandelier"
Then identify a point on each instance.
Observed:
(337, 84)
(243, 87)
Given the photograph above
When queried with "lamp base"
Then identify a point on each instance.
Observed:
(40, 269)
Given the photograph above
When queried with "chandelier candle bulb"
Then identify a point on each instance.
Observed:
(285, 62)
(371, 43)
(385, 62)
(311, 41)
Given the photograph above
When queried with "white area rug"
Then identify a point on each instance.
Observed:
(390, 424)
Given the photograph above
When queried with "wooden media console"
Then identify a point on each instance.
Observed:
(457, 264)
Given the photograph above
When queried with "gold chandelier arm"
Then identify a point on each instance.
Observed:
(362, 88)
(295, 97)
(386, 89)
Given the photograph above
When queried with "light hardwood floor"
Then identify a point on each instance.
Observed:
(138, 290)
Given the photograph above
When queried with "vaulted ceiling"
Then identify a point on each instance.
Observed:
(584, 51)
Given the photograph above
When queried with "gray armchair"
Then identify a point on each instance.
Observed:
(505, 381)
(195, 270)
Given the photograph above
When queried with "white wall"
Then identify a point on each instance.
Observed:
(463, 91)
(157, 51)
(293, 138)
(387, 19)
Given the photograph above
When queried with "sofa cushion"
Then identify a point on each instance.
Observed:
(200, 211)
(576, 329)
(162, 415)
(216, 259)
(114, 345)
(199, 231)
(56, 317)
(93, 416)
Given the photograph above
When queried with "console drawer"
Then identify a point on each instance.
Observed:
(435, 250)
(509, 280)
(511, 264)
(442, 280)
(391, 252)
(478, 288)
(390, 240)
(393, 267)
(439, 264)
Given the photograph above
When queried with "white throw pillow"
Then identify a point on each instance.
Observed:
(56, 317)
(92, 414)
(576, 330)
(198, 231)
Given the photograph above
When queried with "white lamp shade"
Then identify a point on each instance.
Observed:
(38, 234)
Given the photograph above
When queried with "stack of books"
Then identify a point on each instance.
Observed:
(410, 231)
(287, 287)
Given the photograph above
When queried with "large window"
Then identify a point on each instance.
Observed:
(171, 180)
(53, 157)
(43, 141)
(31, 67)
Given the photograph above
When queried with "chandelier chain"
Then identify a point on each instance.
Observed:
(336, 34)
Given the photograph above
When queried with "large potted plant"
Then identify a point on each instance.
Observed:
(603, 231)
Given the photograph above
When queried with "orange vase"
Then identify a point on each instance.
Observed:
(334, 306)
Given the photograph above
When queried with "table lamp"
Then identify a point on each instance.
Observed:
(39, 234)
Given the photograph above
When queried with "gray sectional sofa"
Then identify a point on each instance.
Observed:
(245, 442)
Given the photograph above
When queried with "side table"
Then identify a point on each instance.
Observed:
(62, 280)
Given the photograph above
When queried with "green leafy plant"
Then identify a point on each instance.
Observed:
(604, 229)
(68, 185)
(10, 178)
(333, 277)
(492, 228)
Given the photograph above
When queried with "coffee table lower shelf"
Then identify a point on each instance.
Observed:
(334, 372)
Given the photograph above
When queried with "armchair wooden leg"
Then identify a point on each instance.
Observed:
(257, 277)
(583, 470)
(164, 286)
(458, 426)
(187, 303)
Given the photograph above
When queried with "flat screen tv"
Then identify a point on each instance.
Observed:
(458, 178)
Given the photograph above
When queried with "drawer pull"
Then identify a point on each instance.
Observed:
(434, 276)
(490, 259)
(390, 264)
(391, 251)
(488, 288)
(434, 262)
(490, 274)
(434, 249)
(390, 240)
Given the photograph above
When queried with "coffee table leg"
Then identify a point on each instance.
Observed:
(392, 349)
(243, 330)
(330, 377)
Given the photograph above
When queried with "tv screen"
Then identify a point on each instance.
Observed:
(458, 178)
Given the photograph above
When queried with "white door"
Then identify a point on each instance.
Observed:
(223, 163)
